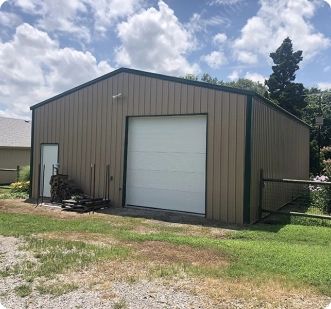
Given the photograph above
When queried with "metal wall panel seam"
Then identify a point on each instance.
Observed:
(248, 157)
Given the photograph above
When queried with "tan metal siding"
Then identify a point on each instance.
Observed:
(9, 159)
(280, 146)
(91, 128)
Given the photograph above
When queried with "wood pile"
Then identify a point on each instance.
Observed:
(63, 188)
(84, 205)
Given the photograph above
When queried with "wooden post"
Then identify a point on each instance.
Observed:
(261, 194)
(42, 190)
(18, 173)
(38, 194)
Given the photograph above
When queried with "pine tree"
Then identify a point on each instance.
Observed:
(282, 88)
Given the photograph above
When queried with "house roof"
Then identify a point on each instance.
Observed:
(15, 132)
(173, 79)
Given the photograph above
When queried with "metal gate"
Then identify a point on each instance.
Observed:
(295, 197)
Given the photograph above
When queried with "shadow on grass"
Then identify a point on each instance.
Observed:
(271, 223)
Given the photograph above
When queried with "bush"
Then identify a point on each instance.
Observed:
(20, 187)
(320, 196)
(24, 174)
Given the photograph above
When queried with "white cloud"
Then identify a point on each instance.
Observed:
(227, 2)
(324, 86)
(9, 19)
(327, 69)
(106, 12)
(154, 40)
(275, 21)
(219, 38)
(33, 68)
(255, 77)
(215, 59)
(57, 16)
(234, 75)
(74, 16)
(199, 23)
(247, 57)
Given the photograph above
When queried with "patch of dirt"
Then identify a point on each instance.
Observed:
(30, 207)
(91, 238)
(223, 293)
(182, 254)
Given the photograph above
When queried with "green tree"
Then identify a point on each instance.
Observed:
(190, 77)
(247, 84)
(282, 88)
(316, 105)
(208, 79)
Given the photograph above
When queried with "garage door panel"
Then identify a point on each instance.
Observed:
(171, 125)
(166, 161)
(172, 181)
(163, 199)
(168, 143)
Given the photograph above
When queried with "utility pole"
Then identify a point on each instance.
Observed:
(319, 122)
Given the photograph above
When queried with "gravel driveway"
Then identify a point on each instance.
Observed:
(145, 294)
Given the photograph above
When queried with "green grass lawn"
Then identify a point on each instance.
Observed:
(4, 189)
(297, 255)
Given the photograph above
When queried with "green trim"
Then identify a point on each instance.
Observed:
(206, 165)
(146, 74)
(126, 142)
(248, 167)
(277, 108)
(31, 154)
(176, 80)
(125, 167)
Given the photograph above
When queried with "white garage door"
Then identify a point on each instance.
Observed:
(166, 163)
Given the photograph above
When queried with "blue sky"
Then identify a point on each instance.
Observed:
(50, 46)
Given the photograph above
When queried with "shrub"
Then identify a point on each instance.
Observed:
(24, 174)
(20, 187)
(320, 196)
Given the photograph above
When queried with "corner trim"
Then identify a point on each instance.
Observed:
(32, 154)
(126, 141)
(248, 167)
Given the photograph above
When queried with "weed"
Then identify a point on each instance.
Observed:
(23, 290)
(56, 289)
(5, 272)
(13, 195)
(57, 256)
(120, 305)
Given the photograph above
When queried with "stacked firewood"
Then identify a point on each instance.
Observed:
(63, 188)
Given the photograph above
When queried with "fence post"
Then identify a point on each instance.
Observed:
(261, 194)
(17, 173)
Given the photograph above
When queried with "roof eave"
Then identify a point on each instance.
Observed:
(147, 74)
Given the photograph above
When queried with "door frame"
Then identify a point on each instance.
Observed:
(126, 143)
(41, 166)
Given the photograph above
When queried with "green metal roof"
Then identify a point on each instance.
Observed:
(176, 80)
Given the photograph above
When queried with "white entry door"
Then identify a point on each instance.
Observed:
(166, 163)
(49, 156)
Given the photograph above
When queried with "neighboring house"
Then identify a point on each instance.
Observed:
(15, 147)
(171, 143)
